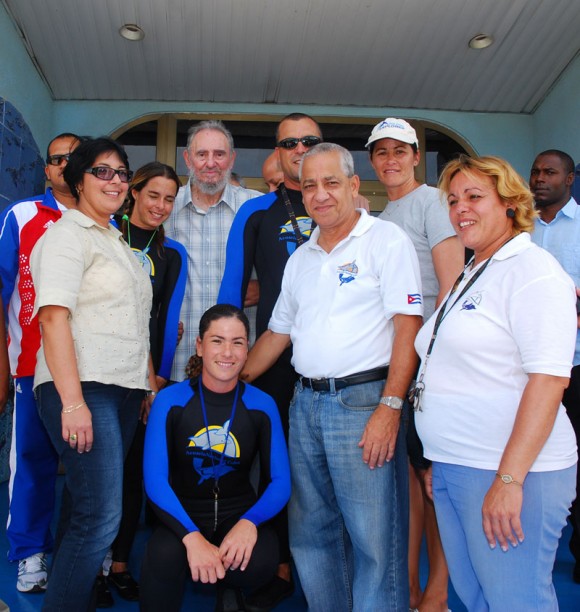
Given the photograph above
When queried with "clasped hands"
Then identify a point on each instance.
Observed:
(209, 563)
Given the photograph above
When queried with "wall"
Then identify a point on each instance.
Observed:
(557, 121)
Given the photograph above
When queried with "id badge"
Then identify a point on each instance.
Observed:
(416, 395)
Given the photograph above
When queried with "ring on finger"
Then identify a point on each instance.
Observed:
(73, 437)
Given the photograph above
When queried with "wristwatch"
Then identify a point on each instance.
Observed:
(508, 479)
(392, 401)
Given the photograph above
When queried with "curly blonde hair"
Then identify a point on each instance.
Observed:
(510, 186)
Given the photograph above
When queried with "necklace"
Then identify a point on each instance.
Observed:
(142, 253)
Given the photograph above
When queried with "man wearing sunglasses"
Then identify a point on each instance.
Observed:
(201, 219)
(264, 234)
(33, 461)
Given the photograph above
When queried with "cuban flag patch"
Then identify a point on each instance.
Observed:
(414, 298)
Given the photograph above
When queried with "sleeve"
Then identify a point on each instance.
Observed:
(546, 343)
(9, 249)
(400, 284)
(274, 465)
(173, 292)
(156, 460)
(437, 225)
(57, 265)
(241, 251)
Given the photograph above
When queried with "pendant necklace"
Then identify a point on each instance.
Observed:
(140, 254)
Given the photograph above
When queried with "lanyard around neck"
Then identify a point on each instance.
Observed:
(291, 214)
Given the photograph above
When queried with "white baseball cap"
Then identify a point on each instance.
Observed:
(398, 129)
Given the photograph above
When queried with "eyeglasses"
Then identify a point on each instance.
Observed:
(56, 160)
(106, 174)
(307, 141)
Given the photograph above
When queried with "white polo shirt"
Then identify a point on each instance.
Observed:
(518, 318)
(338, 306)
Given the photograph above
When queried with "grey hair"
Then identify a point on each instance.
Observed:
(346, 160)
(210, 124)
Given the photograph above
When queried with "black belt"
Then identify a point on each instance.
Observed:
(324, 384)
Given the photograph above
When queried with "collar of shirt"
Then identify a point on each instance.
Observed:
(184, 199)
(568, 210)
(84, 221)
(362, 226)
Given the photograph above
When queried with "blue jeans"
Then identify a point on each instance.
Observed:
(348, 524)
(91, 514)
(486, 580)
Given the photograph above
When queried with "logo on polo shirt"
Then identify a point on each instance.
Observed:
(472, 302)
(208, 446)
(347, 272)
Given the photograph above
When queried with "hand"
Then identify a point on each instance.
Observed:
(146, 404)
(427, 476)
(78, 423)
(501, 515)
(179, 331)
(380, 436)
(161, 382)
(236, 548)
(252, 294)
(203, 559)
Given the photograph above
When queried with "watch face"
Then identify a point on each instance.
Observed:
(506, 478)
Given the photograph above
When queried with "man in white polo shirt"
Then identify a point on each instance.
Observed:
(351, 305)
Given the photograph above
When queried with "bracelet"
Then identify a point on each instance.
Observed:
(151, 393)
(72, 407)
(508, 479)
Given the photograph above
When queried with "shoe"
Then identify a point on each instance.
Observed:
(125, 584)
(32, 575)
(229, 599)
(104, 597)
(269, 595)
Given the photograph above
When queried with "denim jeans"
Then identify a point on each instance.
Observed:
(90, 517)
(348, 523)
(486, 580)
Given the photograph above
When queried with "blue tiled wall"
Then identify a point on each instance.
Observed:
(21, 164)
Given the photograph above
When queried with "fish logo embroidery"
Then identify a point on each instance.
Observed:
(347, 272)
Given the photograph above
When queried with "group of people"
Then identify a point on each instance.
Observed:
(413, 392)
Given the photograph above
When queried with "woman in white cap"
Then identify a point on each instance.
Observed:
(419, 210)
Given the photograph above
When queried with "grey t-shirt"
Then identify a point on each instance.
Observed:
(423, 215)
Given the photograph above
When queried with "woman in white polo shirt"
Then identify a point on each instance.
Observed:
(496, 357)
(92, 368)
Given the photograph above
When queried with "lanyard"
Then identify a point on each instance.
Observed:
(217, 468)
(416, 392)
(291, 214)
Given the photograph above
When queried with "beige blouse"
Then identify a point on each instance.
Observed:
(91, 271)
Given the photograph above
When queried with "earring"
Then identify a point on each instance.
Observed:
(510, 213)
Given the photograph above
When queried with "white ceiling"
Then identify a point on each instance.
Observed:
(396, 53)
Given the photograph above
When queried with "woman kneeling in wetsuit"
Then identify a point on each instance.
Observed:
(202, 437)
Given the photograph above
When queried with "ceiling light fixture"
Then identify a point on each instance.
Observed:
(481, 41)
(131, 31)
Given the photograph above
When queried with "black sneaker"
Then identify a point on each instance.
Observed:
(104, 597)
(125, 584)
(229, 599)
(270, 595)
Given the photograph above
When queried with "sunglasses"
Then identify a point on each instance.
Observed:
(56, 160)
(307, 141)
(106, 174)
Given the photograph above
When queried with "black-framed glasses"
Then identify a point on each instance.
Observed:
(105, 173)
(307, 141)
(56, 160)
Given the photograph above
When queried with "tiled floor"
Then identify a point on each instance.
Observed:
(201, 598)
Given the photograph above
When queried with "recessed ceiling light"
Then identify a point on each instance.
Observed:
(481, 41)
(131, 31)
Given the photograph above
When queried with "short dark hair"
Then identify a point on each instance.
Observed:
(566, 159)
(296, 117)
(63, 135)
(83, 157)
(219, 311)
